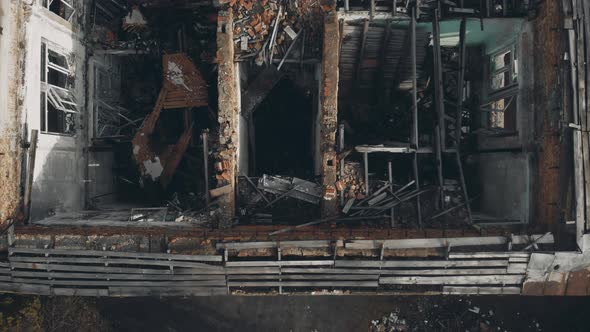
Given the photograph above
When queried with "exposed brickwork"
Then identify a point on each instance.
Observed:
(226, 153)
(329, 108)
(548, 50)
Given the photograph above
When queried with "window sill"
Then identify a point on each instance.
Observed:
(57, 134)
(53, 17)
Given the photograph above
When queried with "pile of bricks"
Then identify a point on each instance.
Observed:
(352, 181)
(264, 29)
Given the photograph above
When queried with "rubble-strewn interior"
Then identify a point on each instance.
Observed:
(408, 153)
(425, 138)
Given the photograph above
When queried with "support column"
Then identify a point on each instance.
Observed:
(227, 118)
(329, 107)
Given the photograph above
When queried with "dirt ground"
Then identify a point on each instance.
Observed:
(295, 313)
(346, 313)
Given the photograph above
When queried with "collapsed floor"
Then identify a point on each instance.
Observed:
(373, 132)
(397, 95)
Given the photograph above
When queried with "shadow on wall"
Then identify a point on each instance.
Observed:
(57, 185)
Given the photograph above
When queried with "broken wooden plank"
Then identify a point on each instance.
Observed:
(455, 290)
(109, 269)
(454, 280)
(252, 270)
(114, 276)
(105, 253)
(166, 291)
(478, 255)
(279, 263)
(274, 244)
(443, 272)
(382, 148)
(329, 284)
(417, 264)
(322, 270)
(24, 288)
(445, 242)
(111, 261)
(335, 277)
(94, 292)
(30, 172)
(172, 162)
(517, 268)
(124, 283)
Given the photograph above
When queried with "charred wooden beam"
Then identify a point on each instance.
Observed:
(438, 83)
(30, 173)
(175, 157)
(414, 81)
(190, 90)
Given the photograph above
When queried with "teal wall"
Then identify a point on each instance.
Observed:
(496, 35)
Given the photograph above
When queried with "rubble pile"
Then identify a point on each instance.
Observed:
(351, 181)
(268, 29)
(389, 324)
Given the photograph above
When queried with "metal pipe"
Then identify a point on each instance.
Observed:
(414, 82)
(390, 177)
(205, 138)
(366, 164)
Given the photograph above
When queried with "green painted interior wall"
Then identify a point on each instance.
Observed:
(496, 35)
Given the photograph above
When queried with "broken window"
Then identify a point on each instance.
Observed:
(504, 69)
(58, 105)
(62, 8)
(502, 114)
(502, 105)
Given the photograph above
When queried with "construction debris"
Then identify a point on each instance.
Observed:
(183, 87)
(382, 201)
(389, 324)
(351, 182)
(291, 187)
(266, 30)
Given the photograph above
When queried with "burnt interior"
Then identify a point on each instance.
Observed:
(167, 29)
(419, 175)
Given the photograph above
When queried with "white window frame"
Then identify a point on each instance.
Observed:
(509, 90)
(511, 67)
(69, 4)
(60, 98)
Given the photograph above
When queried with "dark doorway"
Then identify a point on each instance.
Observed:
(283, 132)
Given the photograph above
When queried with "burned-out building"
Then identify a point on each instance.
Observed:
(197, 147)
